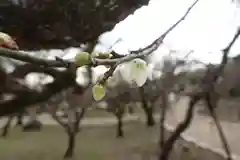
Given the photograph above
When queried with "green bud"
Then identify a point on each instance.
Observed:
(98, 92)
(83, 58)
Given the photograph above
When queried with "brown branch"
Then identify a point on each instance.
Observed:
(113, 62)
(21, 56)
(165, 105)
(212, 101)
(79, 116)
(23, 70)
(59, 121)
(168, 145)
(17, 55)
(27, 98)
(211, 105)
(208, 88)
(37, 97)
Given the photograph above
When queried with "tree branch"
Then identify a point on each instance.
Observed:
(79, 116)
(210, 95)
(34, 97)
(144, 51)
(152, 47)
(167, 147)
(26, 98)
(208, 88)
(17, 55)
(59, 121)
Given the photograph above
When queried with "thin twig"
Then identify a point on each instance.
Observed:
(147, 50)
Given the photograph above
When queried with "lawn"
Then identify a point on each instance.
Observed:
(98, 113)
(95, 143)
(103, 113)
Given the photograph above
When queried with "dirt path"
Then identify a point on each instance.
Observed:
(204, 131)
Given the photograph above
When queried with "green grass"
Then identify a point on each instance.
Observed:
(98, 113)
(93, 143)
(104, 113)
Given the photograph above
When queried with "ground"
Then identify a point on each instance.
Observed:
(203, 130)
(93, 143)
(100, 143)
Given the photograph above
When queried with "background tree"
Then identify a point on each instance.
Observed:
(60, 24)
(74, 112)
(65, 79)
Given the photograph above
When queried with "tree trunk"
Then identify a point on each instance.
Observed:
(20, 119)
(71, 145)
(148, 110)
(32, 111)
(6, 127)
(150, 119)
(165, 106)
(130, 109)
(120, 133)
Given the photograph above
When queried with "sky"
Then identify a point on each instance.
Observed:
(207, 29)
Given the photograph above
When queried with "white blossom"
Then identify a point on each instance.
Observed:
(135, 72)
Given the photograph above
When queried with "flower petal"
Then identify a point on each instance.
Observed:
(126, 71)
(141, 78)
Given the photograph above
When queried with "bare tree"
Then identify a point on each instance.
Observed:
(74, 112)
(208, 94)
(117, 108)
(149, 94)
(7, 125)
(117, 98)
(64, 79)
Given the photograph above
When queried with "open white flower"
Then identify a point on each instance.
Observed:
(112, 82)
(135, 72)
